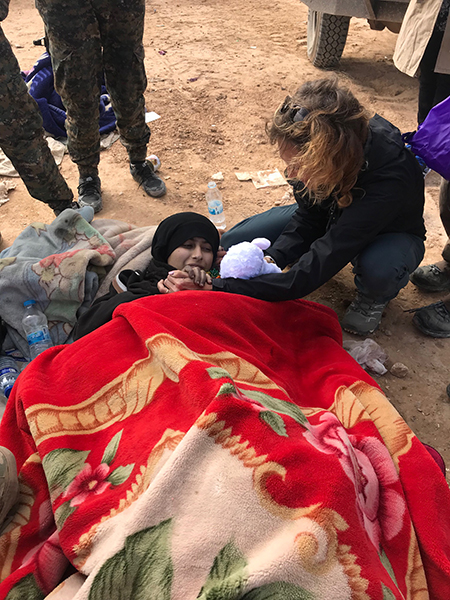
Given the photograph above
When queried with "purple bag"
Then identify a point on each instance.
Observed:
(432, 140)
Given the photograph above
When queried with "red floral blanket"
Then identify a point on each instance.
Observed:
(206, 445)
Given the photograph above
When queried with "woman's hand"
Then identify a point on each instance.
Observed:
(178, 281)
(198, 275)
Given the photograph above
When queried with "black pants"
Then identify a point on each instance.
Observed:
(433, 87)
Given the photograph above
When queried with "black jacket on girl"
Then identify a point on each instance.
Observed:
(139, 285)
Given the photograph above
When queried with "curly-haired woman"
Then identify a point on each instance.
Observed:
(360, 197)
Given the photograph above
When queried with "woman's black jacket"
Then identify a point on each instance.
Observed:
(388, 197)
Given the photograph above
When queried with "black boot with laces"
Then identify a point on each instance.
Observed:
(433, 320)
(432, 278)
(145, 175)
(89, 192)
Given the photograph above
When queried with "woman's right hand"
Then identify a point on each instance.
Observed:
(178, 281)
(198, 275)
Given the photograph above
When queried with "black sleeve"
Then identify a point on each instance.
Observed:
(139, 285)
(357, 227)
(305, 226)
(101, 311)
(4, 6)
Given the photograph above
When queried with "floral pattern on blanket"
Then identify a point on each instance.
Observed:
(71, 478)
(74, 481)
(58, 265)
(368, 465)
(184, 470)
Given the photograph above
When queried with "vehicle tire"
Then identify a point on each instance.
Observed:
(326, 38)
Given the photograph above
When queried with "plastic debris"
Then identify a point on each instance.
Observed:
(5, 188)
(368, 354)
(151, 116)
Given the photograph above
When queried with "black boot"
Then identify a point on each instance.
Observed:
(144, 174)
(433, 320)
(89, 192)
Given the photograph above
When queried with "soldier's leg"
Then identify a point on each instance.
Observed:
(122, 28)
(75, 48)
(444, 209)
(428, 79)
(22, 137)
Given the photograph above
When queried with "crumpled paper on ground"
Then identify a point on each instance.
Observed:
(58, 149)
(368, 354)
(270, 177)
(5, 188)
(107, 140)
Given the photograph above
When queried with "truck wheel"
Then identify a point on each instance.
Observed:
(326, 39)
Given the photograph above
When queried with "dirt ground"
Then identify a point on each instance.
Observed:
(226, 66)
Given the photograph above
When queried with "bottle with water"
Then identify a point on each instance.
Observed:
(35, 325)
(8, 375)
(215, 206)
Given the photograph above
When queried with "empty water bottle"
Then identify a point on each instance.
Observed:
(155, 161)
(215, 206)
(35, 325)
(8, 375)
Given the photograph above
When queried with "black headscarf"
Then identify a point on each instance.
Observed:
(177, 229)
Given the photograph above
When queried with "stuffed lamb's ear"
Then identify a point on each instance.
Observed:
(262, 243)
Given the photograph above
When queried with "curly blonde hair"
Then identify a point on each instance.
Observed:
(329, 127)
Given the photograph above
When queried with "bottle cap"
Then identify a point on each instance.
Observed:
(7, 390)
(29, 302)
(212, 184)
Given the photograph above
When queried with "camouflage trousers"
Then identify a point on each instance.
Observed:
(22, 137)
(89, 38)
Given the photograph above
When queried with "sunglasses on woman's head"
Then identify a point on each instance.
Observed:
(297, 113)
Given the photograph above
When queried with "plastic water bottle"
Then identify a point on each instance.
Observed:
(35, 325)
(8, 375)
(215, 206)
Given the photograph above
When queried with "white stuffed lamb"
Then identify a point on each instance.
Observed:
(246, 260)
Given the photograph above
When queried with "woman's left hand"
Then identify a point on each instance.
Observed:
(178, 281)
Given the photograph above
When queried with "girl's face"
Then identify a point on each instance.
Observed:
(195, 252)
(288, 151)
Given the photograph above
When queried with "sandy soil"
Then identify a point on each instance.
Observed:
(227, 66)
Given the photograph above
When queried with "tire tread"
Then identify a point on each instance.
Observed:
(332, 35)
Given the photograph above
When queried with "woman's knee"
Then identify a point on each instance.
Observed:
(382, 277)
(385, 265)
(383, 280)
